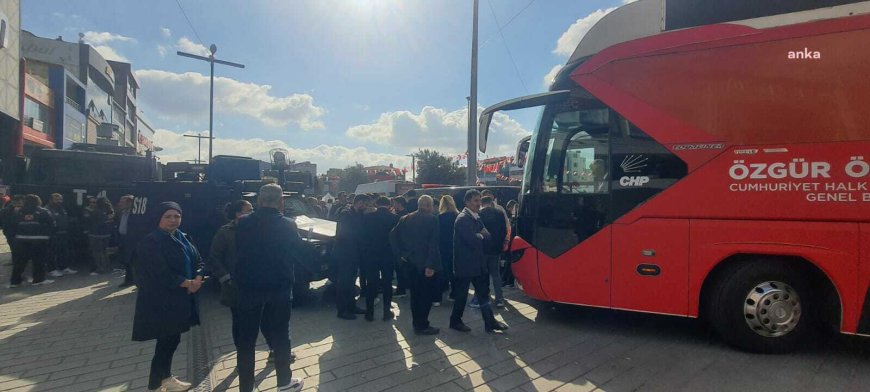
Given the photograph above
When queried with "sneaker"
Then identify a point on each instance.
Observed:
(69, 271)
(94, 274)
(44, 282)
(11, 286)
(473, 303)
(173, 384)
(56, 274)
(160, 389)
(499, 303)
(499, 326)
(436, 303)
(295, 385)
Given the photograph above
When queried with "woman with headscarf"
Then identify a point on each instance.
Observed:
(167, 274)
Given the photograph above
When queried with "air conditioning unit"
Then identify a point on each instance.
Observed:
(107, 130)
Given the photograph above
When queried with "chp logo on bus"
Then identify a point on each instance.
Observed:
(820, 181)
(633, 164)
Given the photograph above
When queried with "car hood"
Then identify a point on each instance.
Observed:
(316, 228)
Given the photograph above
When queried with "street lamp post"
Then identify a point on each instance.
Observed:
(413, 167)
(211, 60)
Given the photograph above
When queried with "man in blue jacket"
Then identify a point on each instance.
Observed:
(469, 265)
(268, 246)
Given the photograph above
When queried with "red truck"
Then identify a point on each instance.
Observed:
(706, 159)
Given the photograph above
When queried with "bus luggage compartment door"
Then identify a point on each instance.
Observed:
(651, 266)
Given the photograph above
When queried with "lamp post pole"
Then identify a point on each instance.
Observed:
(471, 175)
(211, 60)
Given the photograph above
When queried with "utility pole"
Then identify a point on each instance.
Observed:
(413, 167)
(471, 175)
(211, 60)
(199, 147)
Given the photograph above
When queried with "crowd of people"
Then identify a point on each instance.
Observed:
(428, 246)
(42, 237)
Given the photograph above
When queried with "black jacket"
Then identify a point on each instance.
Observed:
(61, 219)
(100, 224)
(349, 238)
(163, 308)
(222, 257)
(377, 227)
(33, 225)
(415, 238)
(267, 248)
(468, 259)
(446, 221)
(493, 219)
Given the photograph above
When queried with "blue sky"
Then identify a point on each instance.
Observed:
(334, 81)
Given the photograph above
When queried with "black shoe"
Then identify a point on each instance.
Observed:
(498, 326)
(271, 357)
(389, 315)
(125, 285)
(358, 310)
(347, 316)
(370, 316)
(399, 293)
(461, 327)
(292, 357)
(427, 331)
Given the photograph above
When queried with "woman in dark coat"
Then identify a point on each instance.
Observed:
(446, 219)
(167, 274)
(101, 226)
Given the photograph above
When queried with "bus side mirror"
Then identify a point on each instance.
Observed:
(522, 151)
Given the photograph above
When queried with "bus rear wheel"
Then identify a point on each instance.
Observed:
(764, 306)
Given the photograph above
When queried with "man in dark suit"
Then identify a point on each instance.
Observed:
(494, 220)
(379, 260)
(415, 241)
(469, 265)
(348, 249)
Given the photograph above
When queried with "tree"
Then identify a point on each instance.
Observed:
(352, 176)
(436, 168)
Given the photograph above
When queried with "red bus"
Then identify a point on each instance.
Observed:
(706, 160)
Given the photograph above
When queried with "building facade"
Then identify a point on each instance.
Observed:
(10, 85)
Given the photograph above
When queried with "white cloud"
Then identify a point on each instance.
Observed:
(161, 50)
(102, 38)
(572, 37)
(437, 129)
(179, 148)
(184, 97)
(165, 32)
(550, 76)
(110, 54)
(186, 45)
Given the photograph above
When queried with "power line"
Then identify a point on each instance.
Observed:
(508, 22)
(189, 23)
(510, 56)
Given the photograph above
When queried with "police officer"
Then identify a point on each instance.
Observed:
(33, 227)
(59, 257)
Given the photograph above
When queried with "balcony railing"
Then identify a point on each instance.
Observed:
(69, 101)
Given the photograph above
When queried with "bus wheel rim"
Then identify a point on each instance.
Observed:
(772, 309)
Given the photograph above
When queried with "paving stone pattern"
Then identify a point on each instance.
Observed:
(74, 335)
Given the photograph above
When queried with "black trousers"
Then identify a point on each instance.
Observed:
(58, 259)
(401, 278)
(344, 287)
(126, 245)
(421, 296)
(24, 251)
(481, 292)
(265, 321)
(161, 363)
(272, 312)
(379, 274)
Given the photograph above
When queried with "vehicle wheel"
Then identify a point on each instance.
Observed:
(764, 306)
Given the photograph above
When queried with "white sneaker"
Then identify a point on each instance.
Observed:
(69, 271)
(173, 384)
(11, 286)
(94, 274)
(294, 386)
(56, 273)
(160, 389)
(44, 282)
(436, 304)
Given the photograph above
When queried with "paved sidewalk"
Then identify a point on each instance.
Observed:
(74, 335)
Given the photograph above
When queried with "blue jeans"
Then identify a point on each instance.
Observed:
(492, 263)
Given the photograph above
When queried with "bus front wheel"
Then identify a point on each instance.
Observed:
(764, 306)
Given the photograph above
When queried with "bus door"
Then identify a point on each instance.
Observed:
(650, 253)
(571, 197)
